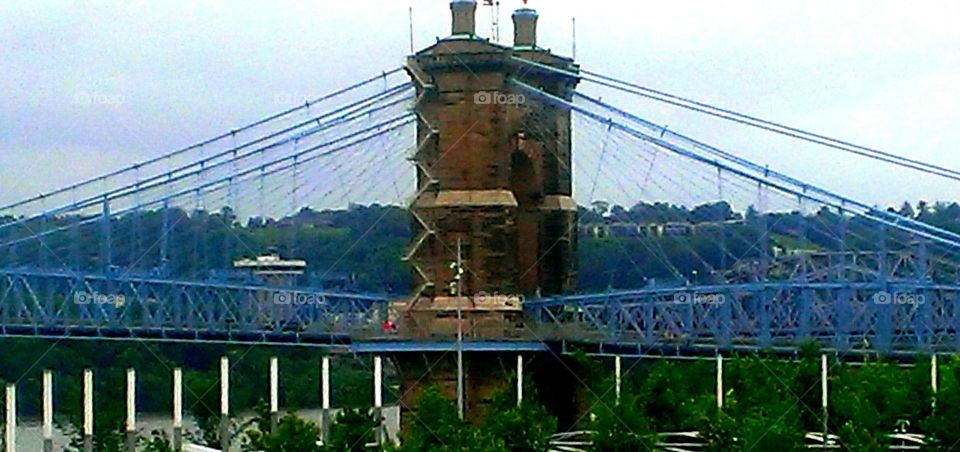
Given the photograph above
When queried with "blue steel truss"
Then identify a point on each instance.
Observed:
(844, 316)
(59, 304)
(867, 302)
(892, 316)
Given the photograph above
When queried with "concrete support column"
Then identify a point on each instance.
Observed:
(617, 376)
(274, 393)
(10, 434)
(824, 395)
(88, 410)
(934, 386)
(177, 409)
(378, 399)
(224, 404)
(519, 380)
(131, 423)
(719, 382)
(47, 411)
(325, 398)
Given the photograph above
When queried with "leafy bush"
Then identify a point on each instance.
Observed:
(158, 442)
(871, 401)
(621, 427)
(944, 418)
(764, 397)
(438, 428)
(292, 433)
(524, 428)
(351, 431)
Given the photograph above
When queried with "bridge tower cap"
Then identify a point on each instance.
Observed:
(526, 12)
(525, 27)
(464, 17)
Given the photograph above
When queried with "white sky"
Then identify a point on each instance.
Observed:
(166, 74)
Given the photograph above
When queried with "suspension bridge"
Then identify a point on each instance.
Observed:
(472, 129)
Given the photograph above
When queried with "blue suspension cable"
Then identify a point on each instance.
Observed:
(386, 126)
(790, 131)
(756, 122)
(842, 200)
(676, 149)
(203, 143)
(167, 178)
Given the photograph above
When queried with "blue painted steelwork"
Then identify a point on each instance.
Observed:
(846, 316)
(408, 346)
(64, 304)
(866, 316)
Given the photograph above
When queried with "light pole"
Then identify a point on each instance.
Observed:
(456, 287)
(459, 278)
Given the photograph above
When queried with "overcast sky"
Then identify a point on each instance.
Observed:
(86, 87)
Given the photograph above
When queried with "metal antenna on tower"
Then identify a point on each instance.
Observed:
(411, 29)
(574, 20)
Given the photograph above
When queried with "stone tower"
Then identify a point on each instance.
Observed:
(493, 165)
(494, 177)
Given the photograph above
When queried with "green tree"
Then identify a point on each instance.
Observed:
(621, 427)
(352, 431)
(524, 428)
(292, 433)
(157, 442)
(203, 399)
(765, 400)
(719, 431)
(438, 428)
(870, 402)
(674, 395)
(941, 424)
